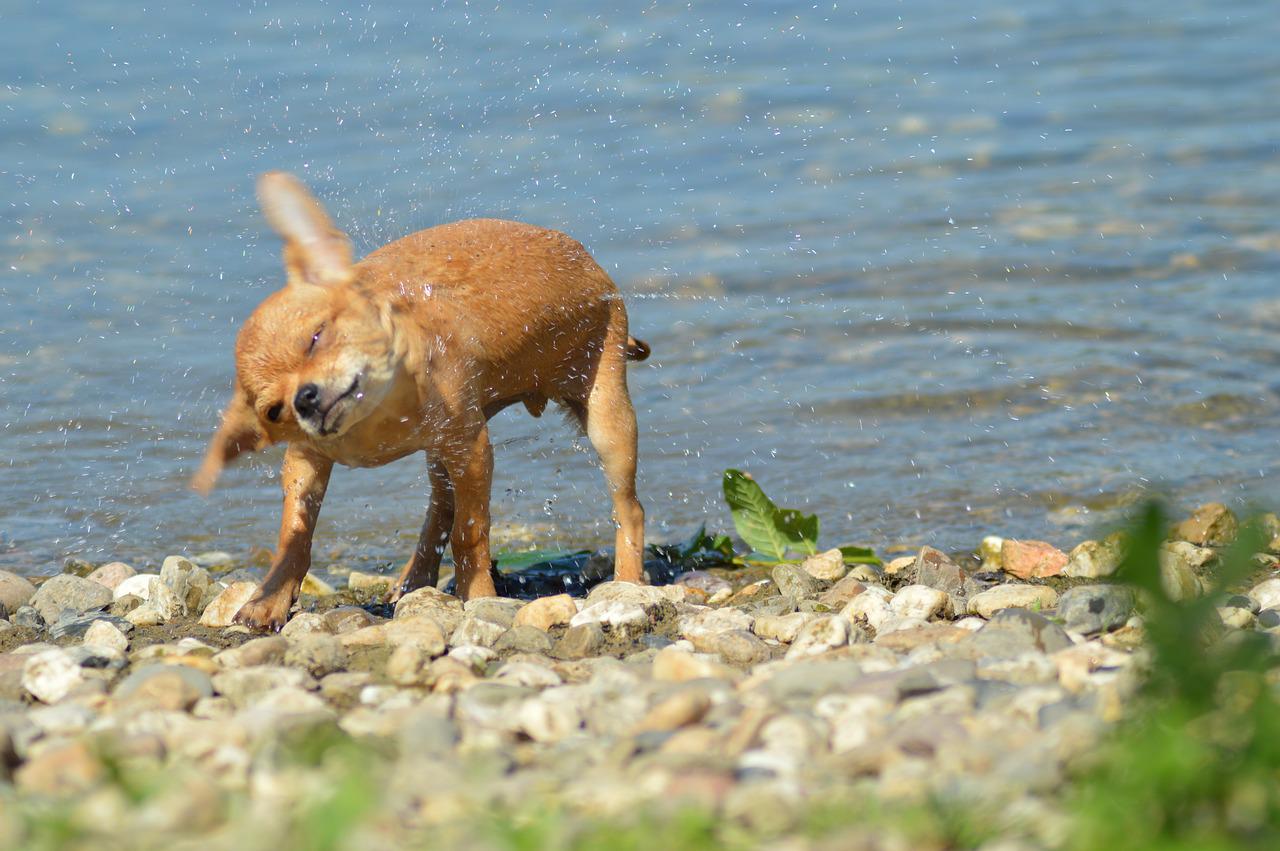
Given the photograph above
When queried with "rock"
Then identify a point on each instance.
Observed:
(1088, 609)
(147, 614)
(476, 631)
(547, 719)
(314, 586)
(827, 567)
(524, 639)
(1012, 596)
(707, 583)
(304, 625)
(753, 592)
(920, 601)
(268, 650)
(794, 582)
(28, 617)
(420, 630)
(189, 585)
(579, 642)
(214, 559)
(626, 619)
(933, 568)
(499, 610)
(138, 585)
(1178, 563)
(112, 574)
(318, 654)
(1236, 617)
(444, 609)
(546, 612)
(410, 665)
(50, 675)
(222, 609)
(1266, 594)
(346, 619)
(713, 621)
(819, 635)
(15, 591)
(906, 637)
(782, 628)
(640, 595)
(676, 666)
(1096, 559)
(77, 567)
(1012, 632)
(244, 685)
(61, 770)
(1031, 559)
(374, 583)
(174, 688)
(104, 633)
(989, 552)
(900, 565)
(686, 706)
(1211, 525)
(77, 627)
(838, 596)
(67, 593)
(871, 606)
(527, 674)
(736, 647)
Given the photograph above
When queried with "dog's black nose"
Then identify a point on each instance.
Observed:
(307, 402)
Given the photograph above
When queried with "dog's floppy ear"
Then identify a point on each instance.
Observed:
(240, 432)
(315, 251)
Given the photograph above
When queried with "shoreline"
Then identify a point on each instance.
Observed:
(824, 703)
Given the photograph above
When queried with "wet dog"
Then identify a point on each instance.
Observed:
(413, 349)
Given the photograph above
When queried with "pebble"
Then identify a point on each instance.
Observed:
(104, 633)
(174, 688)
(524, 639)
(112, 574)
(1210, 525)
(318, 654)
(708, 583)
(623, 618)
(1014, 631)
(1096, 559)
(306, 624)
(686, 706)
(827, 566)
(1089, 609)
(672, 664)
(1031, 559)
(373, 582)
(1012, 596)
(547, 612)
(67, 593)
(735, 646)
(838, 596)
(920, 601)
(222, 608)
(50, 675)
(138, 585)
(477, 631)
(579, 642)
(713, 622)
(1266, 594)
(1178, 563)
(15, 591)
(819, 635)
(794, 582)
(783, 628)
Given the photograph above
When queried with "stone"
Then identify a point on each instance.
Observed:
(900, 565)
(1210, 525)
(174, 688)
(76, 627)
(61, 770)
(524, 639)
(686, 706)
(138, 585)
(318, 654)
(15, 591)
(28, 617)
(640, 595)
(527, 674)
(989, 552)
(65, 593)
(838, 596)
(1269, 618)
(50, 675)
(445, 609)
(701, 580)
(306, 624)
(1031, 559)
(1089, 609)
(244, 685)
(499, 610)
(794, 582)
(1266, 594)
(906, 637)
(314, 586)
(374, 583)
(344, 619)
(920, 601)
(713, 621)
(214, 559)
(222, 609)
(579, 642)
(77, 567)
(623, 618)
(671, 664)
(104, 633)
(871, 606)
(783, 628)
(735, 646)
(476, 631)
(420, 630)
(546, 612)
(1012, 632)
(753, 592)
(827, 566)
(1235, 617)
(1012, 596)
(1096, 559)
(189, 585)
(112, 574)
(147, 614)
(267, 650)
(547, 719)
(819, 635)
(1178, 563)
(935, 569)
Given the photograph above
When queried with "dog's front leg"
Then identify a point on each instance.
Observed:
(424, 566)
(470, 467)
(304, 477)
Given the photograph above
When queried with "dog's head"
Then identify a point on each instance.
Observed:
(314, 358)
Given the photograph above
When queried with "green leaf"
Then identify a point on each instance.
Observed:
(754, 515)
(800, 530)
(516, 562)
(859, 555)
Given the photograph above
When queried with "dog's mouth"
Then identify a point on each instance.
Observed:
(331, 418)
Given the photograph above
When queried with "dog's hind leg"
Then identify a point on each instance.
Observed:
(611, 427)
(423, 568)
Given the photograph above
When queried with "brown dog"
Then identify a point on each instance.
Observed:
(415, 348)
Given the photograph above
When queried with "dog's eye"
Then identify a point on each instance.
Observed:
(315, 338)
(273, 413)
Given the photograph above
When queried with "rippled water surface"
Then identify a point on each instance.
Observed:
(932, 270)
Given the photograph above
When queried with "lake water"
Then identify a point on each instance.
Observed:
(932, 270)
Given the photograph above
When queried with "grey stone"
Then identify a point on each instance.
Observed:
(524, 639)
(735, 646)
(173, 687)
(76, 627)
(1012, 632)
(69, 593)
(578, 642)
(499, 610)
(794, 582)
(1095, 608)
(318, 654)
(28, 617)
(936, 570)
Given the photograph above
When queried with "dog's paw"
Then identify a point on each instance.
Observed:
(265, 614)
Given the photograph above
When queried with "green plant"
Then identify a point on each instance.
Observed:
(773, 532)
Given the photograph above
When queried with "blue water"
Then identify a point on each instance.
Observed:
(932, 270)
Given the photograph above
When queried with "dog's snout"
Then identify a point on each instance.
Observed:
(307, 402)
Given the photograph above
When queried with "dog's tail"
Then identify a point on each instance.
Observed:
(637, 350)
